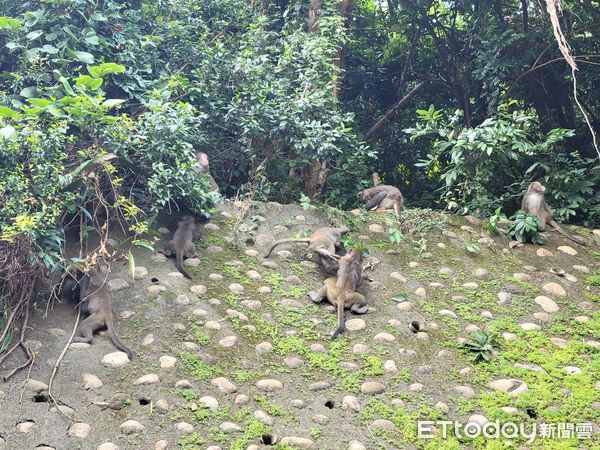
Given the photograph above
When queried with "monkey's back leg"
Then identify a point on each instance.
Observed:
(87, 328)
(375, 200)
(357, 303)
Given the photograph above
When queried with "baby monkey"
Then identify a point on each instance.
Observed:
(534, 203)
(182, 243)
(340, 291)
(95, 303)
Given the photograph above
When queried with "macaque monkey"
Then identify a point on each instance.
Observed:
(182, 244)
(534, 203)
(202, 159)
(96, 305)
(382, 196)
(324, 242)
(340, 291)
(376, 179)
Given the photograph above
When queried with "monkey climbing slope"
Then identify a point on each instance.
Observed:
(240, 358)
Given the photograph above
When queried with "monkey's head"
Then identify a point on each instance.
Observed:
(202, 159)
(364, 196)
(537, 187)
(356, 254)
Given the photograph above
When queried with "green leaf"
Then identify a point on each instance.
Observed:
(84, 57)
(50, 49)
(28, 92)
(400, 298)
(39, 102)
(67, 86)
(8, 132)
(105, 68)
(112, 102)
(7, 112)
(34, 34)
(142, 244)
(131, 265)
(88, 82)
(9, 22)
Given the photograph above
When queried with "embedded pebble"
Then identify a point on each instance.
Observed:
(91, 381)
(320, 419)
(445, 271)
(79, 346)
(442, 407)
(115, 359)
(522, 276)
(228, 341)
(441, 245)
(254, 275)
(162, 406)
(229, 427)
(299, 442)
(290, 303)
(384, 337)
(383, 424)
(212, 325)
(215, 277)
(547, 304)
(251, 252)
(104, 446)
(360, 348)
(447, 312)
(480, 272)
(572, 370)
(486, 315)
(151, 378)
(582, 269)
(319, 348)
(293, 362)
(356, 445)
(263, 348)
(582, 319)
(167, 361)
(416, 387)
(422, 335)
(413, 264)
(350, 402)
(159, 257)
(241, 399)
(355, 324)
(465, 391)
(131, 427)
(465, 371)
(545, 317)
(79, 430)
(397, 276)
(420, 292)
(184, 384)
(472, 328)
(372, 387)
(478, 419)
(319, 386)
(542, 253)
(28, 425)
(390, 366)
(269, 385)
(182, 300)
(510, 410)
(199, 312)
(35, 385)
(404, 306)
(503, 297)
(509, 336)
(264, 290)
(224, 385)
(449, 234)
(297, 403)
(214, 249)
(184, 427)
(555, 288)
(117, 284)
(471, 285)
(161, 445)
(198, 289)
(530, 326)
(511, 386)
(263, 417)
(209, 402)
(566, 249)
(376, 228)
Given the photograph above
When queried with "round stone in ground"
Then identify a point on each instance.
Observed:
(132, 427)
(511, 386)
(351, 403)
(297, 442)
(269, 385)
(355, 325)
(151, 378)
(465, 391)
(547, 304)
(224, 385)
(91, 381)
(210, 402)
(542, 253)
(79, 430)
(568, 250)
(555, 288)
(115, 359)
(198, 289)
(372, 387)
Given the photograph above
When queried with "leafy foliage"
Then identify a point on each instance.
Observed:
(525, 228)
(481, 345)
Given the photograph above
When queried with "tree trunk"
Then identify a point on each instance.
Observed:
(346, 12)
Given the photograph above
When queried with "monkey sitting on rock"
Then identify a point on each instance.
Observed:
(182, 244)
(534, 203)
(382, 196)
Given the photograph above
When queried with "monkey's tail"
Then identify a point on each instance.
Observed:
(341, 318)
(179, 259)
(286, 241)
(575, 239)
(115, 339)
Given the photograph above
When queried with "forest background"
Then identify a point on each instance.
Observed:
(460, 104)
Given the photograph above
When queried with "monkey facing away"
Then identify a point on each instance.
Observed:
(324, 242)
(182, 244)
(97, 306)
(534, 203)
(382, 196)
(204, 168)
(340, 291)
